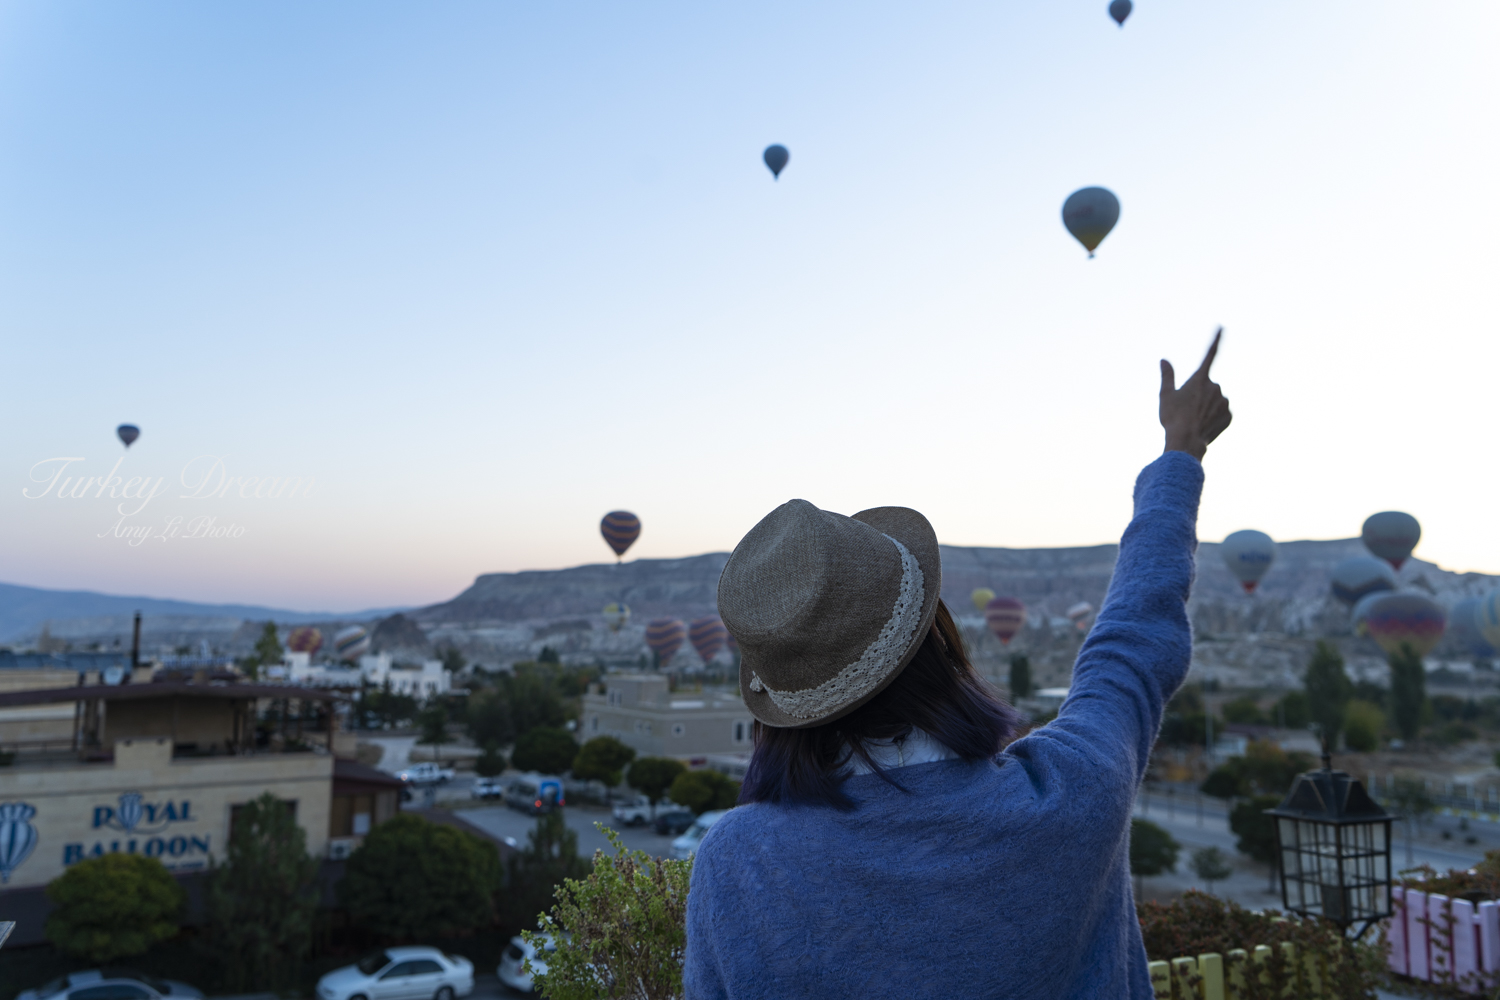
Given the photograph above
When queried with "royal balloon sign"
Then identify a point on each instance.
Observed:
(133, 825)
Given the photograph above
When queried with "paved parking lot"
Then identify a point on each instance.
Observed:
(504, 822)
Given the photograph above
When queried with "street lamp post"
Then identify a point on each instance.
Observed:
(1333, 846)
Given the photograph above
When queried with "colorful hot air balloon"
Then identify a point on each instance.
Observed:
(1005, 616)
(664, 637)
(1090, 213)
(1248, 554)
(1394, 620)
(776, 158)
(351, 643)
(981, 597)
(1463, 625)
(1360, 576)
(305, 640)
(1120, 10)
(1391, 535)
(128, 433)
(1079, 614)
(620, 529)
(708, 635)
(1361, 611)
(616, 615)
(1487, 618)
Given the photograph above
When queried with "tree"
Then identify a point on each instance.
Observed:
(268, 652)
(1292, 711)
(601, 759)
(1184, 722)
(1255, 832)
(548, 655)
(412, 878)
(1408, 691)
(621, 931)
(490, 763)
(534, 698)
(1328, 690)
(1363, 723)
(261, 901)
(1020, 675)
(652, 776)
(434, 722)
(1244, 710)
(1408, 796)
(1211, 865)
(549, 857)
(489, 718)
(703, 790)
(1152, 850)
(544, 749)
(453, 660)
(1223, 782)
(113, 906)
(1264, 769)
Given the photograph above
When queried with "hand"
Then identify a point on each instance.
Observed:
(1196, 413)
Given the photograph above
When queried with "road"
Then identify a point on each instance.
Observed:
(506, 823)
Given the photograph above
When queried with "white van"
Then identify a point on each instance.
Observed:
(534, 793)
(686, 845)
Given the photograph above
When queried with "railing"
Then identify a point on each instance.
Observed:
(1440, 940)
(1227, 977)
(1451, 799)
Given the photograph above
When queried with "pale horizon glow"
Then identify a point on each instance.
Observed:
(485, 273)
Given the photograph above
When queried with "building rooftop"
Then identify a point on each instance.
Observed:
(168, 689)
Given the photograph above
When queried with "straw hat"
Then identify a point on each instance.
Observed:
(828, 609)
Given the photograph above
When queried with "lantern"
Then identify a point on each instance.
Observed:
(1333, 845)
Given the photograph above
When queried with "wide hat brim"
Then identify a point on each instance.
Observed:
(914, 531)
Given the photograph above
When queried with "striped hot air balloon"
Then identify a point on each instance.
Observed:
(981, 597)
(1391, 535)
(616, 615)
(664, 637)
(351, 643)
(305, 639)
(1396, 620)
(708, 636)
(620, 529)
(1005, 616)
(1359, 576)
(1487, 617)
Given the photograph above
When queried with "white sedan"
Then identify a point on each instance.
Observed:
(401, 974)
(513, 971)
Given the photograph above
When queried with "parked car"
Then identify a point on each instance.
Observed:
(636, 812)
(686, 845)
(487, 788)
(426, 774)
(110, 984)
(512, 971)
(674, 820)
(413, 973)
(535, 793)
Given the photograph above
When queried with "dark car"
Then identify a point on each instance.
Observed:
(674, 821)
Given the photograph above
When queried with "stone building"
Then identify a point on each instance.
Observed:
(639, 711)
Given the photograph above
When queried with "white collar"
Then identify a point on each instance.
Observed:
(917, 748)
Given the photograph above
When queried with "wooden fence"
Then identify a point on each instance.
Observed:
(1442, 940)
(1222, 977)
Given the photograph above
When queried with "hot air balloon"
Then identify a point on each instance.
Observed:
(351, 643)
(1463, 625)
(17, 836)
(1005, 616)
(708, 635)
(620, 529)
(1090, 213)
(128, 433)
(1394, 620)
(1361, 611)
(1391, 535)
(1120, 10)
(305, 640)
(616, 615)
(1079, 614)
(1360, 576)
(664, 637)
(981, 597)
(776, 158)
(1248, 554)
(1487, 618)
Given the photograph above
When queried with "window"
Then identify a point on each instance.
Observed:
(424, 967)
(741, 730)
(399, 970)
(112, 991)
(678, 729)
(594, 724)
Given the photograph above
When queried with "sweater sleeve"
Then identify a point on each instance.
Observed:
(1139, 649)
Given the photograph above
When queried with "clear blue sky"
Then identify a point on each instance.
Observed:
(487, 271)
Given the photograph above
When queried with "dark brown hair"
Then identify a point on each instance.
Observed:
(938, 692)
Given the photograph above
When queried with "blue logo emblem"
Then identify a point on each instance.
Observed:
(17, 836)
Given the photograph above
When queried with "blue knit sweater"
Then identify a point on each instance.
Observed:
(1003, 878)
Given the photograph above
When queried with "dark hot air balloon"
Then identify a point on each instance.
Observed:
(1396, 620)
(708, 635)
(128, 433)
(620, 529)
(1090, 213)
(1391, 535)
(1005, 616)
(1120, 10)
(776, 158)
(664, 637)
(304, 640)
(1248, 554)
(1360, 576)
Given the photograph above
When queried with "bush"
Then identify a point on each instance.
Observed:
(1254, 830)
(1264, 769)
(1211, 865)
(621, 931)
(261, 901)
(414, 878)
(1152, 849)
(544, 749)
(549, 859)
(490, 763)
(489, 720)
(1292, 710)
(1244, 710)
(113, 906)
(1363, 723)
(601, 759)
(703, 790)
(1223, 782)
(652, 776)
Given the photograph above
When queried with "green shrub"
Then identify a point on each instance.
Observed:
(490, 763)
(621, 931)
(113, 906)
(652, 776)
(549, 858)
(1255, 832)
(545, 749)
(1243, 710)
(703, 790)
(1363, 723)
(414, 878)
(1152, 849)
(602, 759)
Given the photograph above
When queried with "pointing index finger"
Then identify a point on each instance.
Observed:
(1208, 359)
